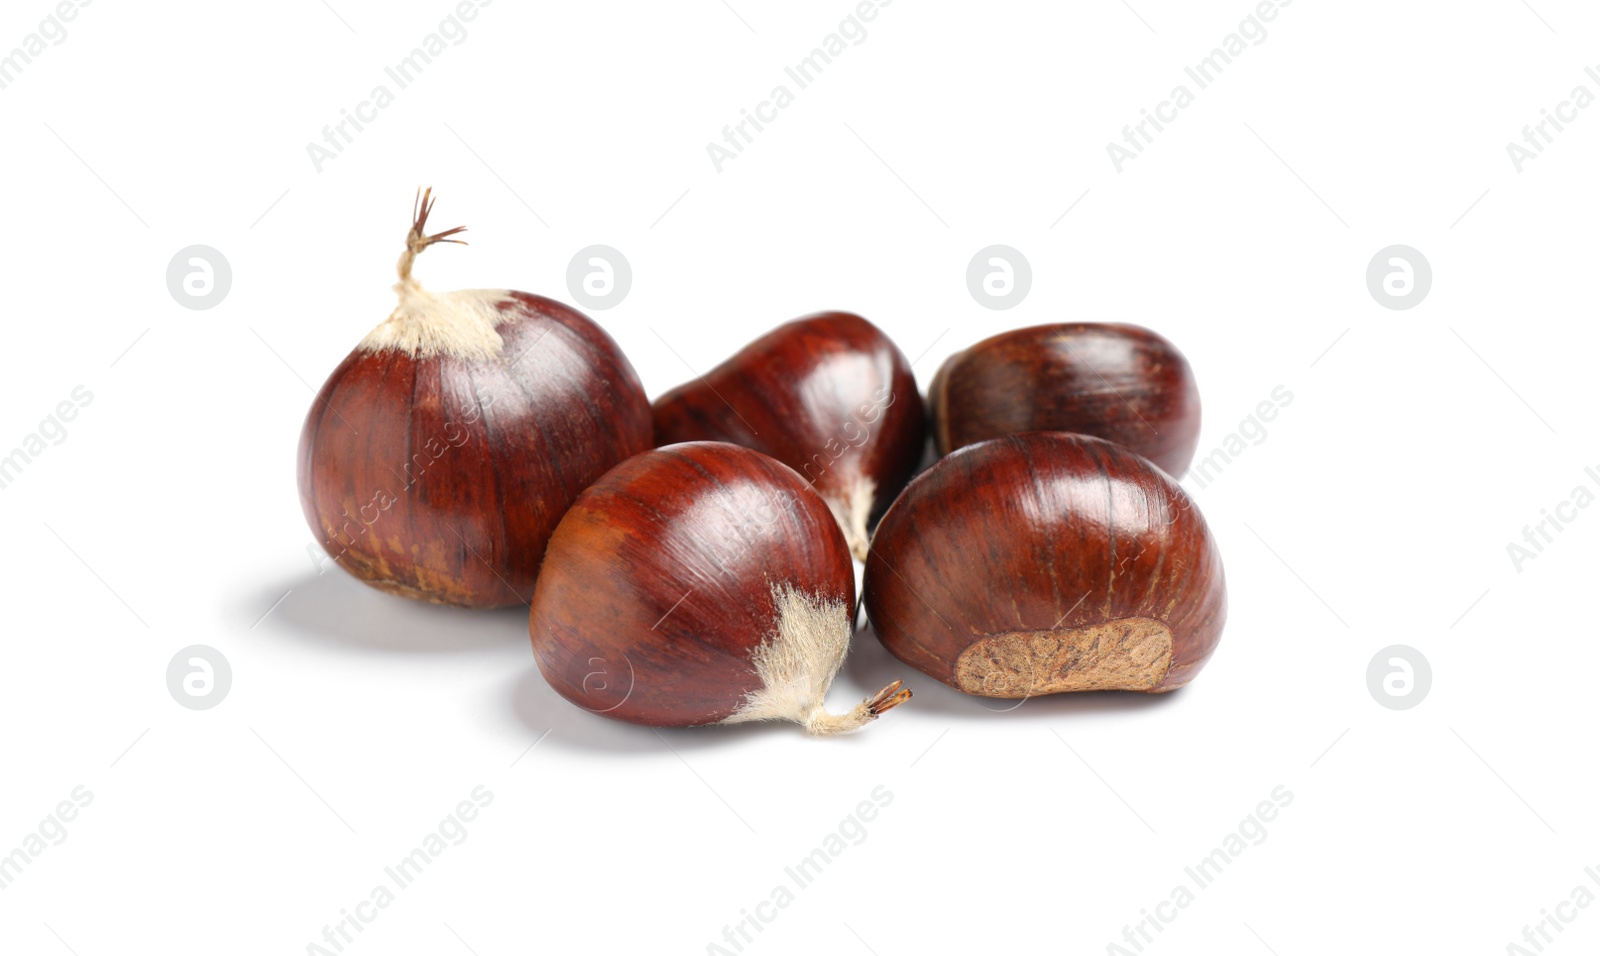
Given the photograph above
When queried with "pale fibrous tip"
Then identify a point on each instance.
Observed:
(798, 662)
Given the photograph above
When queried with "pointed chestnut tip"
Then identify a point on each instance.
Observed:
(887, 699)
(421, 209)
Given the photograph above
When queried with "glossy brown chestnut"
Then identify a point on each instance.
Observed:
(1046, 562)
(1122, 383)
(696, 584)
(828, 395)
(441, 453)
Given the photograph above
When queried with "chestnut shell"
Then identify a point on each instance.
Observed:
(808, 393)
(1119, 382)
(442, 478)
(658, 585)
(1047, 562)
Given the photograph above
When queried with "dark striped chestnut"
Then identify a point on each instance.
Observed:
(439, 456)
(700, 583)
(1122, 383)
(829, 395)
(1043, 563)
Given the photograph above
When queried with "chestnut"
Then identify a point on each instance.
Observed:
(438, 457)
(1046, 562)
(829, 395)
(1122, 383)
(699, 583)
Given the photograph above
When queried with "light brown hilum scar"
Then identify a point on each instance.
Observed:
(1132, 653)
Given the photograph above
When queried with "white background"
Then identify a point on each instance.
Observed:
(1377, 511)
